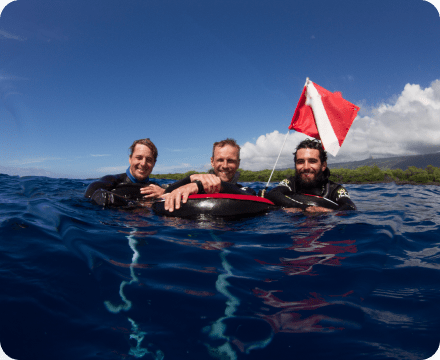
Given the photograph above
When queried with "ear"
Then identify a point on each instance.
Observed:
(212, 162)
(324, 165)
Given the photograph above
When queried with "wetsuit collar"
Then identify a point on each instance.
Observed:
(321, 190)
(134, 180)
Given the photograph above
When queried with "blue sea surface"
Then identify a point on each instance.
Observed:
(81, 282)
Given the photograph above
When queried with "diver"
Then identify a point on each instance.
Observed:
(132, 186)
(223, 178)
(311, 178)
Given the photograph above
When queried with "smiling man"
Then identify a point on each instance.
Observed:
(311, 178)
(225, 161)
(134, 184)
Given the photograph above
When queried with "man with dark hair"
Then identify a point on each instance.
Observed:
(311, 178)
(223, 178)
(134, 184)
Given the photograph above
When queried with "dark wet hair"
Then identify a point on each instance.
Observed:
(312, 144)
(148, 143)
(228, 141)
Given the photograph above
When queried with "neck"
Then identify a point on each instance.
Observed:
(134, 180)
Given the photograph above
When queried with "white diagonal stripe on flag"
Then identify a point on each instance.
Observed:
(325, 129)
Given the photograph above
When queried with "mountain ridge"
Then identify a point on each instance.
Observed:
(398, 162)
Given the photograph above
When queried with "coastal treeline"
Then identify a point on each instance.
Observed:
(363, 174)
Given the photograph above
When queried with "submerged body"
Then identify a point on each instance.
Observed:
(117, 190)
(311, 178)
(134, 184)
(287, 192)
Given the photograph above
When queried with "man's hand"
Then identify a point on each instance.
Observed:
(316, 209)
(211, 183)
(152, 191)
(292, 210)
(178, 196)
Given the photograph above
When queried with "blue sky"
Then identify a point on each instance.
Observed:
(80, 80)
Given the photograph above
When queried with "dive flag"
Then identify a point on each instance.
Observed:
(323, 115)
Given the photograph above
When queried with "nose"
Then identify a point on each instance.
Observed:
(225, 164)
(306, 165)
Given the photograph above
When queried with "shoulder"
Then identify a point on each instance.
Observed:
(178, 184)
(288, 183)
(285, 187)
(338, 191)
(115, 178)
(340, 195)
(107, 182)
(230, 188)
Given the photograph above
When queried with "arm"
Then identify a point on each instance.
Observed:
(229, 188)
(282, 195)
(152, 191)
(279, 196)
(107, 182)
(178, 184)
(342, 198)
(178, 196)
(211, 183)
(181, 191)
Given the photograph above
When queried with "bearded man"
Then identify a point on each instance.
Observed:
(311, 178)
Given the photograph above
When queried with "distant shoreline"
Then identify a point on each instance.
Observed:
(362, 175)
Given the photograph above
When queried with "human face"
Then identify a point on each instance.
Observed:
(225, 162)
(308, 165)
(141, 162)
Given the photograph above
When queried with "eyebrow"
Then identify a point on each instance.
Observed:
(228, 159)
(309, 159)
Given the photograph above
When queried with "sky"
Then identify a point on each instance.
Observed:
(81, 80)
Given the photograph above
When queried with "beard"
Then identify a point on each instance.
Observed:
(312, 184)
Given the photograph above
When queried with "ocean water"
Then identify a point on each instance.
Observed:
(81, 282)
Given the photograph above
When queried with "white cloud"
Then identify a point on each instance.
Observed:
(180, 168)
(112, 169)
(263, 154)
(99, 155)
(7, 35)
(21, 162)
(410, 125)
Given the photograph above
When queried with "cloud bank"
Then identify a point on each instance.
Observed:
(410, 125)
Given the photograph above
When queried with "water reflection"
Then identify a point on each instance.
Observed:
(138, 350)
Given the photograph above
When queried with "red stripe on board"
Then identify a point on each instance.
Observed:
(231, 196)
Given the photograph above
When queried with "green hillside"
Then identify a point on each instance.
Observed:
(362, 174)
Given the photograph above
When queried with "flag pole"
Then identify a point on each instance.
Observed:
(270, 177)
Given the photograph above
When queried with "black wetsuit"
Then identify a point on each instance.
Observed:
(116, 190)
(230, 187)
(329, 190)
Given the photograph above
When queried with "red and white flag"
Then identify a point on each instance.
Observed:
(323, 115)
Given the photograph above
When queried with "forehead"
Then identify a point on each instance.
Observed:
(142, 150)
(226, 151)
(305, 154)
